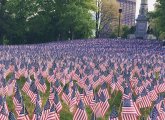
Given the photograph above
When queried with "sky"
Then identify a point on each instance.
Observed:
(150, 5)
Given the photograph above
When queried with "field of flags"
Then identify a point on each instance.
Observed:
(97, 79)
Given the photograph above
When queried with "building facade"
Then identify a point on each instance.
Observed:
(128, 12)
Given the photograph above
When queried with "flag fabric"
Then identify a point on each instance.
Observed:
(145, 101)
(11, 116)
(66, 95)
(162, 112)
(41, 85)
(58, 87)
(37, 112)
(80, 113)
(23, 115)
(104, 104)
(128, 110)
(52, 114)
(17, 100)
(57, 102)
(97, 106)
(27, 85)
(45, 111)
(73, 101)
(104, 90)
(4, 86)
(3, 114)
(154, 115)
(113, 114)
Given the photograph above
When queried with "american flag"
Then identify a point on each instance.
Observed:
(27, 85)
(152, 93)
(4, 86)
(1, 102)
(145, 101)
(52, 114)
(45, 111)
(161, 85)
(104, 90)
(73, 101)
(154, 115)
(104, 104)
(127, 93)
(37, 112)
(128, 110)
(11, 83)
(97, 106)
(3, 114)
(113, 84)
(113, 114)
(58, 86)
(159, 102)
(23, 115)
(162, 111)
(51, 93)
(11, 116)
(66, 95)
(90, 94)
(37, 98)
(135, 105)
(80, 113)
(41, 85)
(57, 102)
(17, 100)
(32, 90)
(50, 77)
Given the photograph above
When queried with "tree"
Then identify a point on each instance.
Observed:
(26, 21)
(157, 19)
(108, 17)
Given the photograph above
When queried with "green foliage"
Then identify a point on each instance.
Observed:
(5, 41)
(126, 31)
(26, 21)
(157, 19)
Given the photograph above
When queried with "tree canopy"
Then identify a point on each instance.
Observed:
(27, 21)
(157, 19)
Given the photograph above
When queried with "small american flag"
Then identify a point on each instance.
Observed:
(80, 113)
(103, 104)
(57, 102)
(66, 95)
(97, 106)
(128, 110)
(52, 114)
(41, 85)
(11, 116)
(162, 111)
(114, 114)
(58, 86)
(154, 115)
(23, 115)
(37, 112)
(73, 101)
(145, 101)
(4, 87)
(17, 100)
(27, 85)
(3, 114)
(104, 90)
(46, 110)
